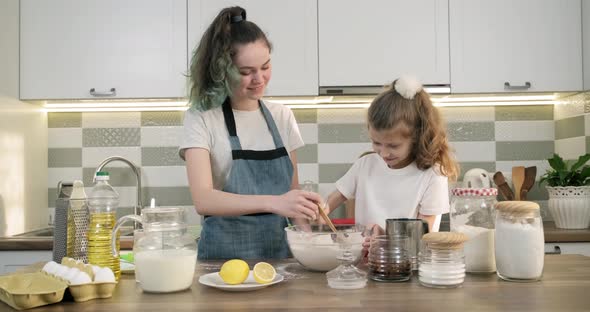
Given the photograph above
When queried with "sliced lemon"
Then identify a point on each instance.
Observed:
(234, 271)
(264, 273)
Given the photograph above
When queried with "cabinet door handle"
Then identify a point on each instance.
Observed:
(556, 251)
(507, 85)
(111, 92)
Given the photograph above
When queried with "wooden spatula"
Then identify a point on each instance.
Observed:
(530, 174)
(517, 180)
(503, 186)
(326, 218)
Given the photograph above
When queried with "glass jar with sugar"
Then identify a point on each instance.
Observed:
(473, 214)
(441, 260)
(520, 242)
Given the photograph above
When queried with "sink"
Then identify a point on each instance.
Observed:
(48, 232)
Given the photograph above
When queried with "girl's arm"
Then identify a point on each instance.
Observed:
(335, 199)
(209, 201)
(431, 219)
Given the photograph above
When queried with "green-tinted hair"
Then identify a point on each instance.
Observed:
(212, 72)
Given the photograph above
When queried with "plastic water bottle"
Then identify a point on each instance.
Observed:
(103, 201)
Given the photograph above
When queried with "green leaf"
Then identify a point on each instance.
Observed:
(581, 161)
(557, 163)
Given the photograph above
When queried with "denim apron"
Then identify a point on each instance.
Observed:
(270, 172)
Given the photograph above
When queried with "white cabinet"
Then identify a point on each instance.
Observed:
(11, 261)
(568, 248)
(586, 41)
(372, 42)
(134, 48)
(291, 27)
(506, 46)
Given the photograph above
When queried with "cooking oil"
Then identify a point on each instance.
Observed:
(99, 241)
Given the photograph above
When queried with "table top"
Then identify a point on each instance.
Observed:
(564, 287)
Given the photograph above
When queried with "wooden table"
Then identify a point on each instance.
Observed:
(565, 287)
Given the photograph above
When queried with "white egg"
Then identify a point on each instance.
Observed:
(80, 278)
(50, 267)
(95, 269)
(61, 270)
(104, 275)
(71, 273)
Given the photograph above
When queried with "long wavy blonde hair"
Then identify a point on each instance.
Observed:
(422, 123)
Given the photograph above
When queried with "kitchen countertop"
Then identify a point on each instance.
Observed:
(552, 235)
(564, 287)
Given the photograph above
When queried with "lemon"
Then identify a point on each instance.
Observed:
(234, 271)
(264, 273)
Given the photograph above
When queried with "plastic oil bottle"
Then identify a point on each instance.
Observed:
(103, 201)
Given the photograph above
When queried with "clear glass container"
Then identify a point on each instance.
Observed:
(520, 242)
(441, 260)
(166, 256)
(389, 258)
(473, 214)
(346, 275)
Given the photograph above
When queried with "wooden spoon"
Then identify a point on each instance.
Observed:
(530, 174)
(517, 180)
(503, 187)
(327, 219)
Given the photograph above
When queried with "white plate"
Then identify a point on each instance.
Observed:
(126, 267)
(214, 280)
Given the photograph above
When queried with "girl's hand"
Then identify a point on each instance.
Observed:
(371, 231)
(297, 204)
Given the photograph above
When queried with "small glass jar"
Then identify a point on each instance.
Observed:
(520, 242)
(388, 259)
(473, 214)
(441, 260)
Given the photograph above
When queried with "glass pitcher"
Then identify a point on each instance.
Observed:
(166, 256)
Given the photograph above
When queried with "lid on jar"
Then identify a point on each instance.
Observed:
(463, 191)
(518, 208)
(445, 240)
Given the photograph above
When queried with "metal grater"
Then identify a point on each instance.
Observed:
(60, 232)
(76, 212)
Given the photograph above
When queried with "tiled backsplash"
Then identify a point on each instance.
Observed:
(492, 138)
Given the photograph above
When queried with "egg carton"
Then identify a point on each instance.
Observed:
(30, 290)
(83, 289)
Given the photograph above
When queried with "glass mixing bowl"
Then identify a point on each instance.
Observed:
(317, 248)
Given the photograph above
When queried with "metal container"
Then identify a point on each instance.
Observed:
(71, 222)
(60, 233)
(413, 229)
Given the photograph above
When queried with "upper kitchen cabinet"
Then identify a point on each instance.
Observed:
(291, 27)
(372, 42)
(97, 49)
(586, 41)
(506, 46)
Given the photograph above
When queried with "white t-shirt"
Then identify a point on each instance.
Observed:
(207, 129)
(382, 193)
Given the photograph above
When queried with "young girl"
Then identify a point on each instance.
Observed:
(239, 151)
(407, 175)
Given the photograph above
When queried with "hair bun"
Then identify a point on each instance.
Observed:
(407, 86)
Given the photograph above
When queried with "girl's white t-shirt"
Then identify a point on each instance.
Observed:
(382, 193)
(207, 129)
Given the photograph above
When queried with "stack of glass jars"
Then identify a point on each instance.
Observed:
(389, 259)
(441, 260)
(473, 214)
(520, 242)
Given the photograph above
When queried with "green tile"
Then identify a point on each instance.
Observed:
(161, 156)
(524, 150)
(466, 166)
(308, 154)
(470, 131)
(306, 115)
(152, 119)
(123, 211)
(330, 173)
(569, 127)
(168, 196)
(342, 133)
(64, 157)
(524, 112)
(118, 176)
(105, 137)
(338, 213)
(588, 144)
(64, 120)
(538, 192)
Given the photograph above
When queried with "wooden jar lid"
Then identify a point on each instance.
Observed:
(518, 208)
(445, 240)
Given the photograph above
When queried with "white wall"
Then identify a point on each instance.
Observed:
(23, 139)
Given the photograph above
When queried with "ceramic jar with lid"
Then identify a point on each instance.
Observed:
(441, 260)
(473, 214)
(520, 241)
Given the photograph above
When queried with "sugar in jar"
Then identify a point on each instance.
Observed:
(441, 260)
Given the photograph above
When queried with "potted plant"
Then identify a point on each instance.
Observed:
(569, 192)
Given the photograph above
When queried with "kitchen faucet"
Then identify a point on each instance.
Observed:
(136, 171)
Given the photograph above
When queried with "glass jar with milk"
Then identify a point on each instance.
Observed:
(472, 213)
(166, 255)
